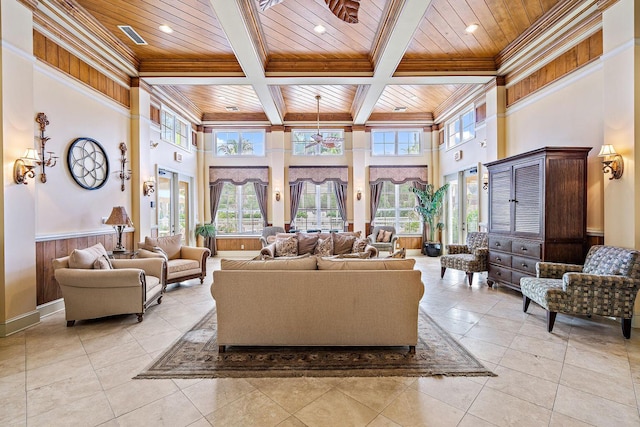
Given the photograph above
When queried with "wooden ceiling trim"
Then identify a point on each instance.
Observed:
(324, 117)
(421, 118)
(234, 117)
(552, 17)
(462, 96)
(606, 4)
(429, 66)
(228, 67)
(278, 99)
(172, 97)
(90, 24)
(30, 4)
(391, 13)
(251, 18)
(287, 66)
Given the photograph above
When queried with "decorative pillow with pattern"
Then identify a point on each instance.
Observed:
(386, 238)
(359, 245)
(324, 247)
(287, 246)
(380, 236)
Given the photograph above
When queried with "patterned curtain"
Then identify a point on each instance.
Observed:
(374, 200)
(296, 194)
(340, 190)
(261, 196)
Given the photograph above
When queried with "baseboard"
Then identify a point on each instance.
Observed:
(50, 308)
(19, 323)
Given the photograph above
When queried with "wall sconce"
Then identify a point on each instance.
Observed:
(485, 181)
(124, 175)
(612, 162)
(359, 194)
(277, 193)
(23, 168)
(42, 120)
(149, 186)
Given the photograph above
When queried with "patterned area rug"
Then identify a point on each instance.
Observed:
(195, 355)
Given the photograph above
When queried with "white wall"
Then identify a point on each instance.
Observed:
(567, 113)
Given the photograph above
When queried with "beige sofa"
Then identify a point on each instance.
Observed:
(119, 286)
(317, 302)
(183, 262)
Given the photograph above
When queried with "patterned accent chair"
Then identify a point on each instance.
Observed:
(270, 231)
(606, 285)
(470, 258)
(388, 246)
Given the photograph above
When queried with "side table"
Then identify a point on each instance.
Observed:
(122, 255)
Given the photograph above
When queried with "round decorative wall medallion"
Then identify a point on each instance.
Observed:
(88, 163)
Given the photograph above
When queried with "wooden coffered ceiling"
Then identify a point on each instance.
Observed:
(271, 64)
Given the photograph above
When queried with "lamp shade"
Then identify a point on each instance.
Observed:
(31, 157)
(607, 150)
(119, 217)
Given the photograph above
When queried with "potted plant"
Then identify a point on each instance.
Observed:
(208, 233)
(430, 202)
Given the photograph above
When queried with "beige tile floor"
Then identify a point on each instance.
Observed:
(584, 373)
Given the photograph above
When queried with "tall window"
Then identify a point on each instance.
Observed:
(396, 208)
(303, 145)
(462, 128)
(238, 211)
(395, 142)
(174, 130)
(318, 209)
(240, 143)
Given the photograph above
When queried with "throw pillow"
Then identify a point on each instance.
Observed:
(169, 244)
(306, 242)
(324, 247)
(387, 237)
(342, 243)
(380, 236)
(359, 244)
(102, 263)
(287, 246)
(84, 258)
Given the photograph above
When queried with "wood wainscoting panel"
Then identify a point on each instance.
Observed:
(235, 244)
(47, 288)
(410, 242)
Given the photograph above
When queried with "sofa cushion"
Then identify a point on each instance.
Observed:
(380, 236)
(178, 265)
(169, 244)
(287, 246)
(359, 245)
(386, 238)
(366, 264)
(102, 263)
(298, 263)
(324, 247)
(342, 243)
(307, 242)
(84, 258)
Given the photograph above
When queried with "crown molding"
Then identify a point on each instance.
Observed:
(430, 66)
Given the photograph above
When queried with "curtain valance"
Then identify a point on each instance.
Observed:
(318, 174)
(398, 174)
(238, 175)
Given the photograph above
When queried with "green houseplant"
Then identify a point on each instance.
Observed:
(430, 203)
(208, 232)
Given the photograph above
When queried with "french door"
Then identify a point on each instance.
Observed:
(462, 208)
(174, 204)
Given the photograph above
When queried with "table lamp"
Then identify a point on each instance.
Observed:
(119, 219)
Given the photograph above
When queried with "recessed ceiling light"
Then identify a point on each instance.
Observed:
(166, 29)
(222, 98)
(399, 109)
(319, 29)
(471, 28)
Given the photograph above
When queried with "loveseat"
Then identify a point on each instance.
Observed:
(314, 301)
(346, 244)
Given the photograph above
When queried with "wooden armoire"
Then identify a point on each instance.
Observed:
(537, 211)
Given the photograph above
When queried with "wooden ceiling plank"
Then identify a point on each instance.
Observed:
(488, 22)
(533, 9)
(502, 17)
(452, 27)
(468, 16)
(519, 16)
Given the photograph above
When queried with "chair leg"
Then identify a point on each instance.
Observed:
(470, 278)
(160, 299)
(551, 318)
(70, 323)
(442, 270)
(525, 303)
(139, 316)
(626, 328)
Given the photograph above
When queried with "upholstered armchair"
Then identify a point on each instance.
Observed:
(94, 286)
(183, 262)
(606, 285)
(381, 241)
(470, 258)
(270, 231)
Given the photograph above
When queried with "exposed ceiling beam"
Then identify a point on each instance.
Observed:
(240, 37)
(390, 54)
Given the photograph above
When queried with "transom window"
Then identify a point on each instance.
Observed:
(240, 143)
(303, 144)
(462, 128)
(397, 208)
(395, 142)
(238, 210)
(174, 129)
(318, 208)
